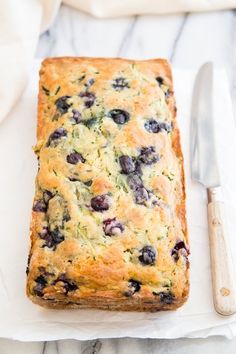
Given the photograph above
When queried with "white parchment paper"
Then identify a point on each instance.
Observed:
(22, 320)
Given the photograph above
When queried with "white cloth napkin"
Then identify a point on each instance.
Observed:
(22, 320)
(22, 21)
(114, 8)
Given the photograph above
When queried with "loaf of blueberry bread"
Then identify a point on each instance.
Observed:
(108, 225)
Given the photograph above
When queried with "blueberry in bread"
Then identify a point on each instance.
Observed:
(108, 225)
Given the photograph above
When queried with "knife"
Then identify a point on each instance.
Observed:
(204, 169)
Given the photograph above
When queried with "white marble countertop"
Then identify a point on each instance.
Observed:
(187, 41)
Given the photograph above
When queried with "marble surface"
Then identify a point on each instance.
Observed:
(187, 41)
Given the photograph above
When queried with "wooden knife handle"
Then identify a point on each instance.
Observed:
(223, 276)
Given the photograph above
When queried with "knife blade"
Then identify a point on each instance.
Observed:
(205, 170)
(204, 167)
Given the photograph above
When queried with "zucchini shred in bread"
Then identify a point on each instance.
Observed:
(108, 225)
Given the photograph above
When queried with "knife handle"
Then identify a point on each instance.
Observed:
(222, 269)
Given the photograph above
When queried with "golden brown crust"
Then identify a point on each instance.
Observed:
(111, 304)
(74, 262)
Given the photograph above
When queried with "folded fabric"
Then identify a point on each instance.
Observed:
(20, 26)
(114, 8)
(21, 23)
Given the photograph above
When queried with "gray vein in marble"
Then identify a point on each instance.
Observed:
(49, 40)
(57, 347)
(44, 347)
(127, 37)
(93, 347)
(178, 36)
(211, 345)
(51, 347)
(72, 21)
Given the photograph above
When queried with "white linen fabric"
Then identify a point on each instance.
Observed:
(114, 8)
(22, 320)
(21, 23)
